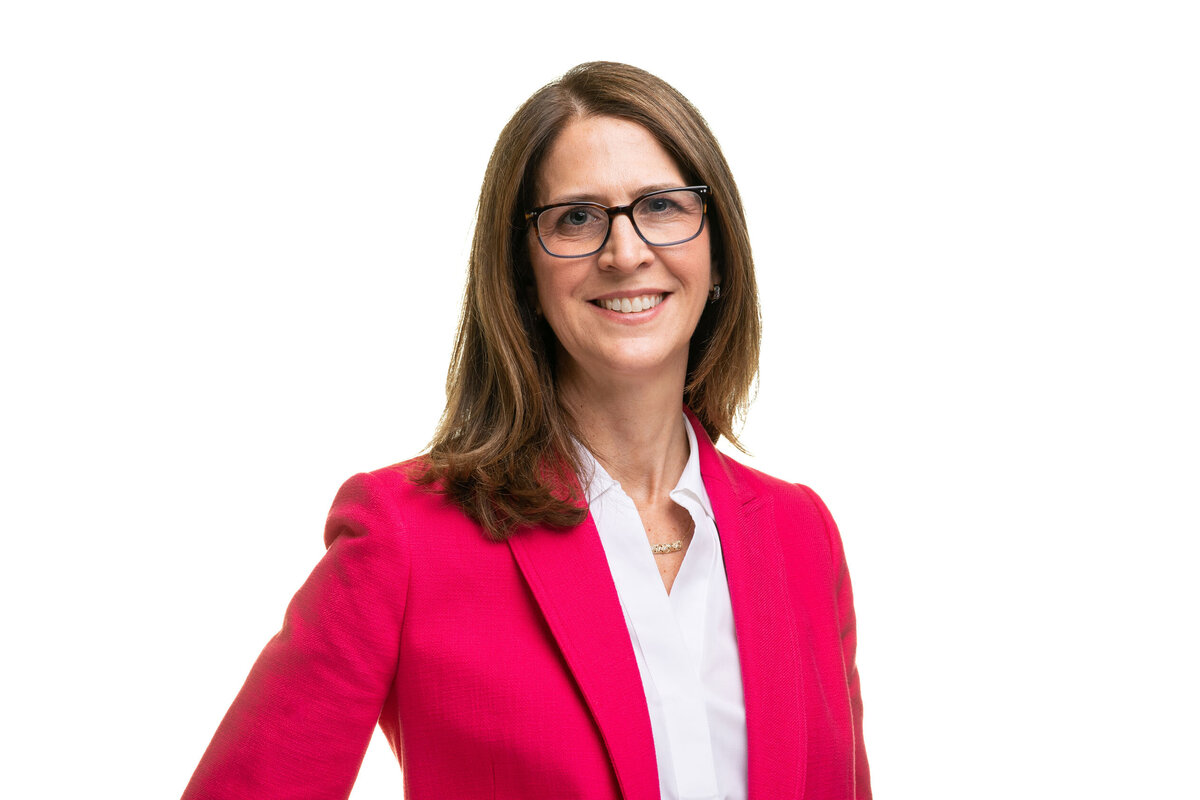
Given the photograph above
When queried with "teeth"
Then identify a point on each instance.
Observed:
(627, 305)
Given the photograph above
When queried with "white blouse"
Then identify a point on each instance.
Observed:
(684, 642)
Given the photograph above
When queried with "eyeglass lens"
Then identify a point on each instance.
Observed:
(661, 219)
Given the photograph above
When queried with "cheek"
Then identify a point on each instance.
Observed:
(551, 291)
(541, 281)
(701, 266)
(541, 277)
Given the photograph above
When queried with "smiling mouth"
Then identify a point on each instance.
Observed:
(629, 305)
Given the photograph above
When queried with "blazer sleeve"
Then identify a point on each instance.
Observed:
(849, 634)
(301, 724)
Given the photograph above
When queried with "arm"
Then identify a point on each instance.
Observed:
(302, 722)
(849, 635)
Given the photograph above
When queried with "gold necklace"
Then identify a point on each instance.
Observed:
(675, 546)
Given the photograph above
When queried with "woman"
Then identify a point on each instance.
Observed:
(575, 594)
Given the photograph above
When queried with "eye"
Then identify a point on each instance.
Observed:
(660, 205)
(573, 221)
(580, 215)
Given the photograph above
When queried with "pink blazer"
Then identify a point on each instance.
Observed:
(505, 670)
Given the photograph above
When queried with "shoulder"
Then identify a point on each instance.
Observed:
(751, 482)
(391, 492)
(798, 509)
(391, 504)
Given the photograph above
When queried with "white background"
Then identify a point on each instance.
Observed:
(233, 239)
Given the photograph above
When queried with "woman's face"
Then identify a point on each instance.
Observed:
(613, 161)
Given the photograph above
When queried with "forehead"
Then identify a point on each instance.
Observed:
(606, 160)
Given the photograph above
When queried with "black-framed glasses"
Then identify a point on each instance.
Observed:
(661, 218)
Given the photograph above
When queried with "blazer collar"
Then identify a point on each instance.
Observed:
(568, 575)
(764, 622)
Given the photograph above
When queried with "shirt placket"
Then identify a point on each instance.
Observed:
(672, 667)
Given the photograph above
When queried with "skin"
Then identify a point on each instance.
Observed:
(622, 375)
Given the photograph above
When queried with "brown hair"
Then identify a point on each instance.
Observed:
(503, 451)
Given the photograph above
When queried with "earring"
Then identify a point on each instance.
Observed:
(714, 294)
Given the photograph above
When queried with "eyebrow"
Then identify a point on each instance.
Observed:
(586, 197)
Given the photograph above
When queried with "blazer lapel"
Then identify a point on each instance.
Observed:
(568, 574)
(765, 626)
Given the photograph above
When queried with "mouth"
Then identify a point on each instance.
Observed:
(630, 305)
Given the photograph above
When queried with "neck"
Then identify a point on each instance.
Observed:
(635, 431)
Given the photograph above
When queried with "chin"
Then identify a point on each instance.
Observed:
(648, 365)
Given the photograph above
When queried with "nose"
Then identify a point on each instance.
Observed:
(624, 250)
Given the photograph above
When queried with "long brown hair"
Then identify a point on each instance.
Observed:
(503, 451)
